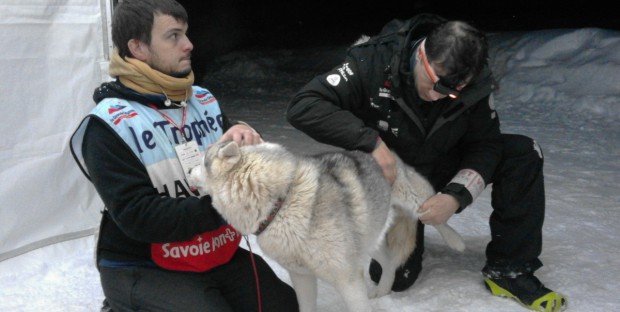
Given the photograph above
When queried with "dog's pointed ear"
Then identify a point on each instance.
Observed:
(230, 151)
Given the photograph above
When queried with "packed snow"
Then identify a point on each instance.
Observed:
(559, 86)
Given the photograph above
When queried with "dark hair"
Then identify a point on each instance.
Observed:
(133, 19)
(459, 49)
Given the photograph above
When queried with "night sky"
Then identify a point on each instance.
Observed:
(218, 27)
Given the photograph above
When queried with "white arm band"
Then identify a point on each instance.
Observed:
(472, 181)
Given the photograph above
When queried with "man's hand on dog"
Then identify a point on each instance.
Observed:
(386, 161)
(438, 209)
(242, 134)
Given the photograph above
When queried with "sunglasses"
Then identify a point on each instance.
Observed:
(438, 86)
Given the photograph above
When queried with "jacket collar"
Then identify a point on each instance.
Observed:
(115, 89)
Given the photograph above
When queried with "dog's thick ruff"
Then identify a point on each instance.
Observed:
(337, 209)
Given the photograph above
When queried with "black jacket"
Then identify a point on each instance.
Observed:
(136, 213)
(353, 104)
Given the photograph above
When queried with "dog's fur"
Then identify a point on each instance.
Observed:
(336, 210)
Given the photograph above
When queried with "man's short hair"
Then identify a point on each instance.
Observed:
(459, 49)
(133, 19)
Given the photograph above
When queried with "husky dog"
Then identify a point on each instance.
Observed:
(319, 216)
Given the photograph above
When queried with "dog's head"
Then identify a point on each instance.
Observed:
(244, 181)
(218, 158)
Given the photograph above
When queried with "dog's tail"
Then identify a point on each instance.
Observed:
(451, 237)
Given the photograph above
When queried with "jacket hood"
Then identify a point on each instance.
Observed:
(115, 89)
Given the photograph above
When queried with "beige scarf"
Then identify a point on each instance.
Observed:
(140, 77)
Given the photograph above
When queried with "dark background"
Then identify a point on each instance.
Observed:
(222, 26)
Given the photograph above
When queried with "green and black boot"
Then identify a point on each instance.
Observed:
(528, 291)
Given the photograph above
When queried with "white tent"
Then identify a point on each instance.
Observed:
(54, 54)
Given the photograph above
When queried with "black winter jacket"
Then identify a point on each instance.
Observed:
(136, 213)
(357, 101)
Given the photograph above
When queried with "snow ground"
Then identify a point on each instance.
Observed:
(561, 87)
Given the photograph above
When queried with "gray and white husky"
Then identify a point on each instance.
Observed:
(319, 216)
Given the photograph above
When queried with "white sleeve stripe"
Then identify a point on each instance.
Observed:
(472, 181)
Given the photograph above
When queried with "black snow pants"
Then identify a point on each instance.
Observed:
(227, 288)
(518, 202)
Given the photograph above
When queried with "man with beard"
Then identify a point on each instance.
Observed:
(161, 245)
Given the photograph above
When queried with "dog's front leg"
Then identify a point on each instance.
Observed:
(305, 286)
(353, 291)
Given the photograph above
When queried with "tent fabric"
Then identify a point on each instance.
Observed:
(53, 58)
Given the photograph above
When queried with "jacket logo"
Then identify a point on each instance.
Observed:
(333, 79)
(345, 71)
(373, 104)
(115, 108)
(382, 125)
(204, 97)
(386, 93)
(197, 247)
(117, 113)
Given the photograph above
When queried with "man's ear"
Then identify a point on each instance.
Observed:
(138, 49)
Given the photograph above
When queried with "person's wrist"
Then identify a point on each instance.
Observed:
(377, 143)
(460, 193)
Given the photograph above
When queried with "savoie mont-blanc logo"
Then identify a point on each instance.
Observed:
(118, 114)
(115, 108)
(204, 97)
